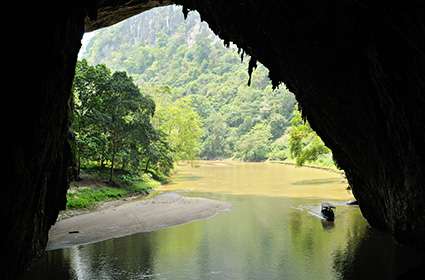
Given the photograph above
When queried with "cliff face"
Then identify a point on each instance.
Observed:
(357, 70)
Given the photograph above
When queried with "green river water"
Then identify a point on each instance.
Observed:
(273, 231)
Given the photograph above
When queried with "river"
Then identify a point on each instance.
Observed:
(273, 231)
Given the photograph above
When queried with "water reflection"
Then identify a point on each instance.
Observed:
(261, 238)
(183, 178)
(327, 225)
(368, 251)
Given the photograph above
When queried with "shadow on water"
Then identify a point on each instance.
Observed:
(184, 178)
(368, 251)
(317, 181)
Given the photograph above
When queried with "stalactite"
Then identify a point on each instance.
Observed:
(251, 66)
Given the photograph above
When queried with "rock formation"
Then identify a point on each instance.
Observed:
(356, 67)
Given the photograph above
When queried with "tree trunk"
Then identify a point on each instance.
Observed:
(147, 166)
(77, 176)
(124, 163)
(111, 173)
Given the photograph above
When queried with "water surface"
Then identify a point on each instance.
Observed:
(268, 234)
(265, 179)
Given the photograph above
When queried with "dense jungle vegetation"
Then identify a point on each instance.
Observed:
(156, 88)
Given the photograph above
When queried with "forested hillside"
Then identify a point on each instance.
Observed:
(180, 64)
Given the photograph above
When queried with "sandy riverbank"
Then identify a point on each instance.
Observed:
(164, 210)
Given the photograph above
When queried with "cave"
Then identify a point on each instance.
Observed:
(356, 67)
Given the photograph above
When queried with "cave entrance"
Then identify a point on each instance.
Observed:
(356, 70)
(273, 228)
(196, 103)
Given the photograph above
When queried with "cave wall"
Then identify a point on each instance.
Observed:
(43, 57)
(356, 68)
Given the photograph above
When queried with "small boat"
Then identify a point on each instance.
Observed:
(327, 212)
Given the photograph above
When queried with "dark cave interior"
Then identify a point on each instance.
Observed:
(356, 67)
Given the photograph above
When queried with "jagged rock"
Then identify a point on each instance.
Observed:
(356, 67)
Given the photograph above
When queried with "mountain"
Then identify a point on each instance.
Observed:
(172, 58)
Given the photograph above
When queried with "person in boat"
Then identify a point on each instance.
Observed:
(327, 211)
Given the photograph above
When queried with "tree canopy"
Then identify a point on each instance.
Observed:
(204, 106)
(304, 144)
(112, 122)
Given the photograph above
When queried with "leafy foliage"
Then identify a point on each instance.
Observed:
(172, 59)
(87, 197)
(183, 127)
(113, 122)
(204, 106)
(279, 148)
(304, 144)
(255, 145)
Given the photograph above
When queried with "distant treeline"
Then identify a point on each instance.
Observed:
(200, 85)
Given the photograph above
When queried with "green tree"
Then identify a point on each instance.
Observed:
(113, 123)
(159, 157)
(183, 128)
(304, 144)
(215, 144)
(255, 145)
(279, 149)
(90, 84)
(119, 107)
